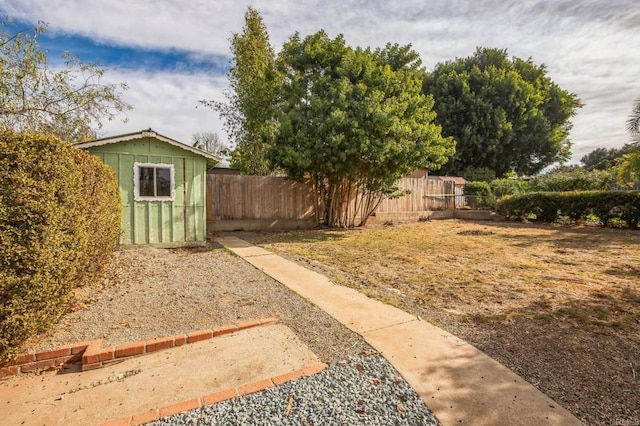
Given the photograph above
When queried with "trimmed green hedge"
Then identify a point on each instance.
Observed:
(550, 206)
(50, 217)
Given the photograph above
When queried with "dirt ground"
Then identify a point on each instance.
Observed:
(149, 293)
(558, 305)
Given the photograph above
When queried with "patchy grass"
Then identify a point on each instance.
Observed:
(590, 275)
(559, 305)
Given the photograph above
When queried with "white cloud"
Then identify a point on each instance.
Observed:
(590, 47)
(168, 103)
(194, 25)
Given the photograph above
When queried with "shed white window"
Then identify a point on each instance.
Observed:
(153, 182)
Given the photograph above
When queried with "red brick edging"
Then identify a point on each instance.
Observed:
(92, 355)
(192, 404)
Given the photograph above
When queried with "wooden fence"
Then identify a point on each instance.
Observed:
(424, 195)
(263, 202)
(235, 197)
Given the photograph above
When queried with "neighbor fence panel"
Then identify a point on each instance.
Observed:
(235, 197)
(423, 195)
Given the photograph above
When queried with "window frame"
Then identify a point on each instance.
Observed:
(136, 181)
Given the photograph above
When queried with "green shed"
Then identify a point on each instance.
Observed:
(162, 187)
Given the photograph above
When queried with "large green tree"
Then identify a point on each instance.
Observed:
(70, 103)
(505, 114)
(253, 82)
(603, 158)
(354, 121)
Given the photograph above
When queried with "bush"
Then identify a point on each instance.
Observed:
(573, 179)
(478, 194)
(102, 211)
(503, 187)
(549, 206)
(46, 227)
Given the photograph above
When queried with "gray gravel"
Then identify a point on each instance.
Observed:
(360, 390)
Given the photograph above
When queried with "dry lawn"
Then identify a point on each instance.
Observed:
(558, 305)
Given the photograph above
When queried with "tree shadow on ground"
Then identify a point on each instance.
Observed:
(627, 271)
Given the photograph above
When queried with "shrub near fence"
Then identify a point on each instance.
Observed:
(478, 194)
(503, 187)
(578, 206)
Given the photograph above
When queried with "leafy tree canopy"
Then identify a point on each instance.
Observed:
(505, 114)
(481, 174)
(253, 82)
(355, 121)
(603, 158)
(70, 104)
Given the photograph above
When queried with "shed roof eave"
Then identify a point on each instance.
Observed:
(211, 159)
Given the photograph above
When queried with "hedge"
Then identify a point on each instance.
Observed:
(478, 194)
(550, 206)
(504, 187)
(47, 229)
(575, 179)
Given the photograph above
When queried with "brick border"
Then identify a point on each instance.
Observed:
(91, 355)
(191, 404)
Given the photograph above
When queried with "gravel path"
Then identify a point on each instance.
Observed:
(360, 390)
(149, 293)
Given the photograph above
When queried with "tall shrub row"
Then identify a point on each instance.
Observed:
(573, 179)
(58, 210)
(578, 206)
(503, 187)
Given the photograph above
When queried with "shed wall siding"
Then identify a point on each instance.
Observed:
(159, 223)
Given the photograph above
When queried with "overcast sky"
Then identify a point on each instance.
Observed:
(172, 53)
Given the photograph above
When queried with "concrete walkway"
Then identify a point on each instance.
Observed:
(459, 383)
